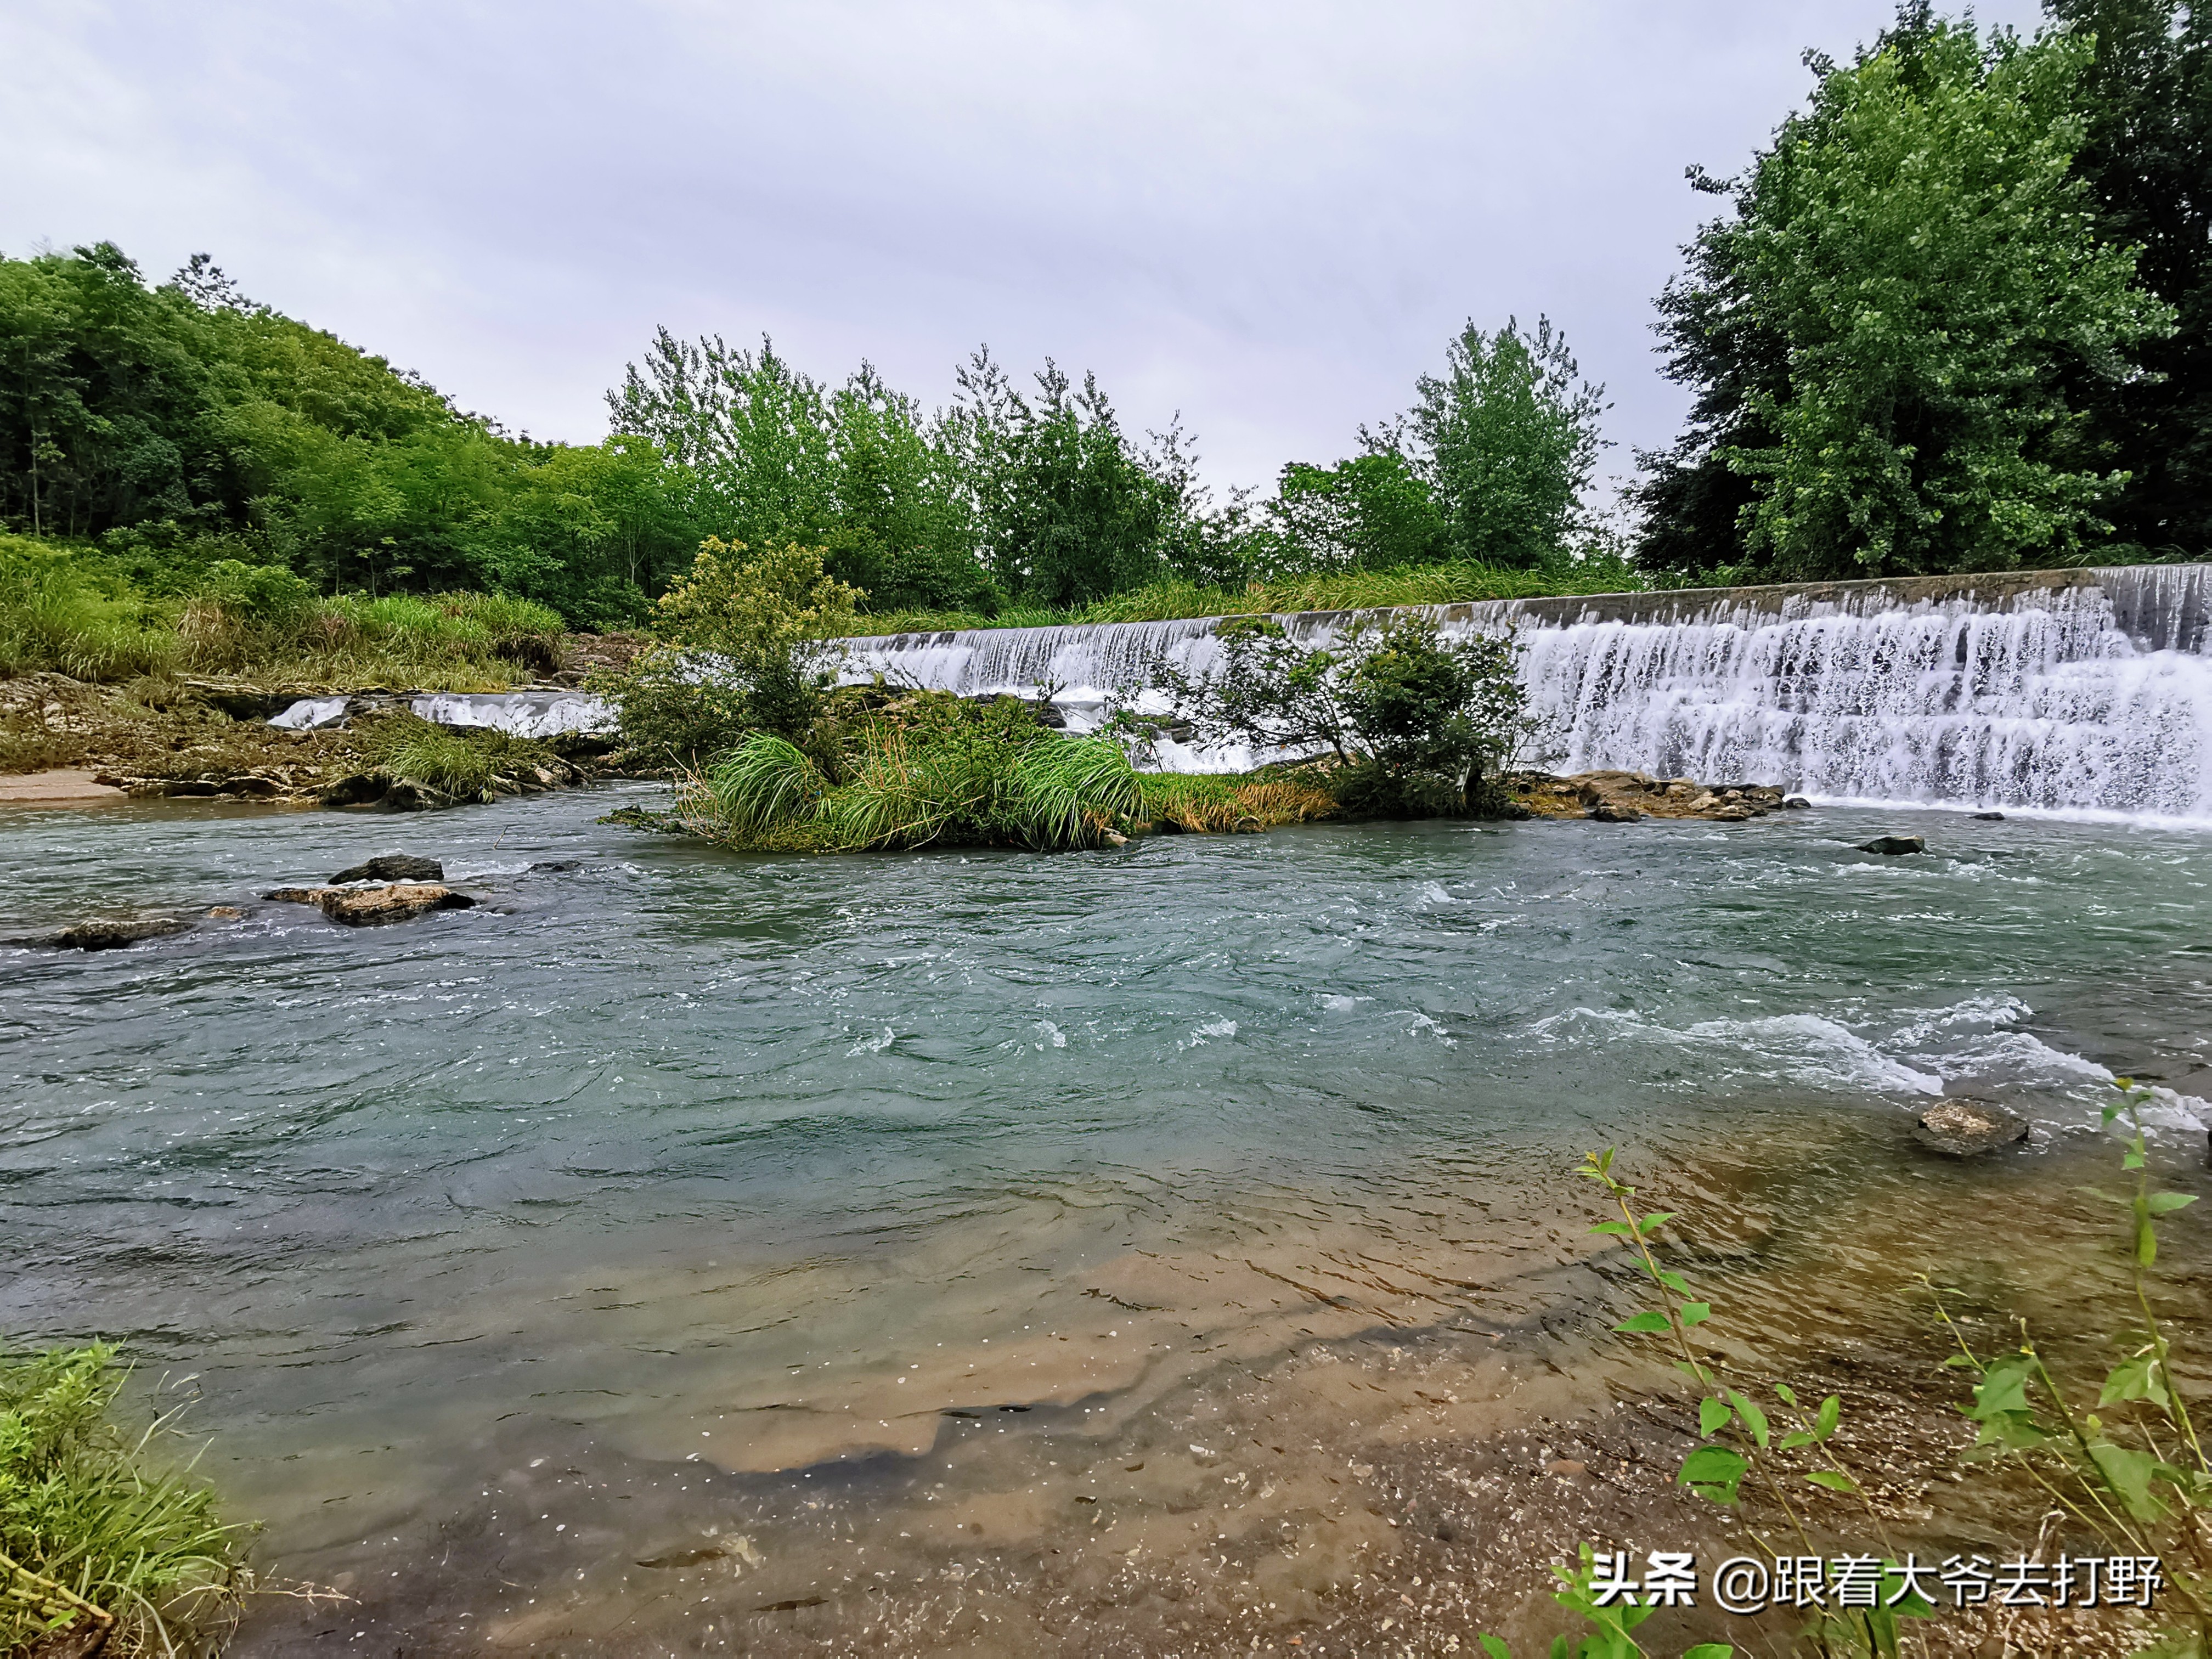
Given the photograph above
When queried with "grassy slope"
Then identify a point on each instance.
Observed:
(1348, 589)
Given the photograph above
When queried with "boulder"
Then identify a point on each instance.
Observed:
(224, 913)
(364, 907)
(1733, 811)
(1892, 845)
(357, 789)
(1962, 1128)
(112, 935)
(1796, 804)
(1990, 818)
(1608, 811)
(393, 867)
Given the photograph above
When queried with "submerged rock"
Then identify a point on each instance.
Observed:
(111, 935)
(1894, 846)
(1990, 818)
(1960, 1129)
(363, 907)
(394, 866)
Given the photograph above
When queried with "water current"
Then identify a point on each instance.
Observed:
(580, 1263)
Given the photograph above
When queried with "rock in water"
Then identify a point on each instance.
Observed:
(1990, 818)
(1892, 846)
(1606, 811)
(394, 866)
(363, 907)
(1960, 1129)
(1797, 803)
(112, 935)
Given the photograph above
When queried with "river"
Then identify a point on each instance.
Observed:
(640, 1226)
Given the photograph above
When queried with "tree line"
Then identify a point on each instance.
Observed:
(1956, 315)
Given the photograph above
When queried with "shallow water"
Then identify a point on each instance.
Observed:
(675, 1167)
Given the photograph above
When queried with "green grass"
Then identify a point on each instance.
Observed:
(62, 610)
(1345, 590)
(460, 764)
(908, 787)
(87, 1517)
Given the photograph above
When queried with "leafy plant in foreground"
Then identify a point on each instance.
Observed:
(2130, 1469)
(89, 1533)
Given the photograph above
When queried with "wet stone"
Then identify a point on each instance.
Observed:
(1894, 846)
(393, 867)
(1962, 1128)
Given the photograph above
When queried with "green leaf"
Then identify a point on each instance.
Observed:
(1562, 1649)
(1647, 1321)
(2146, 1240)
(2134, 1379)
(1754, 1419)
(1652, 1223)
(2131, 1159)
(2167, 1203)
(1825, 1419)
(1794, 1439)
(1694, 1313)
(1832, 1481)
(1714, 1472)
(1785, 1393)
(1713, 1416)
(1619, 1228)
(1708, 1650)
(2128, 1475)
(1957, 1362)
(1674, 1281)
(2003, 1389)
(1494, 1648)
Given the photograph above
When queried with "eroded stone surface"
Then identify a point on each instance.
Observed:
(1960, 1129)
(363, 907)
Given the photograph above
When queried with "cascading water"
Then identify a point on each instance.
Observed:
(2076, 690)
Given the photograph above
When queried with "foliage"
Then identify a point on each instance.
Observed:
(1507, 440)
(1373, 511)
(57, 614)
(1884, 330)
(169, 419)
(2127, 1467)
(770, 456)
(1416, 723)
(90, 1530)
(462, 765)
(2145, 94)
(1068, 509)
(937, 772)
(1326, 590)
(744, 646)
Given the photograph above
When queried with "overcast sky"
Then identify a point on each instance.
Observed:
(1269, 216)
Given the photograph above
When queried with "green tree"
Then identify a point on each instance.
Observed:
(1507, 440)
(1068, 508)
(1884, 328)
(1373, 511)
(2145, 96)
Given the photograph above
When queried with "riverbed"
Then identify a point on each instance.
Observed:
(683, 1249)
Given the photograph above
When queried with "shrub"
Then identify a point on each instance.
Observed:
(461, 764)
(90, 1532)
(56, 615)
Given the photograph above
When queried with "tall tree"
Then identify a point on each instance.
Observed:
(1883, 330)
(1507, 439)
(2145, 94)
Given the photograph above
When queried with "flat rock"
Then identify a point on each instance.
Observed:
(1892, 845)
(366, 906)
(112, 935)
(394, 866)
(1960, 1129)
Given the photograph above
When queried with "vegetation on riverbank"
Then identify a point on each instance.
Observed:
(72, 611)
(95, 1532)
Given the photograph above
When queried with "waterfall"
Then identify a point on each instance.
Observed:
(2085, 691)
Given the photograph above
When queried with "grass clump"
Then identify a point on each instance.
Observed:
(462, 765)
(925, 771)
(90, 1532)
(1335, 590)
(1219, 804)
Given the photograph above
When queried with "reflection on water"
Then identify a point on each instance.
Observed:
(674, 1207)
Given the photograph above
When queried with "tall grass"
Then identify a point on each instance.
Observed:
(461, 764)
(62, 612)
(90, 1530)
(1340, 590)
(914, 787)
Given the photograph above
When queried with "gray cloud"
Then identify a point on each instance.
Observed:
(1267, 216)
